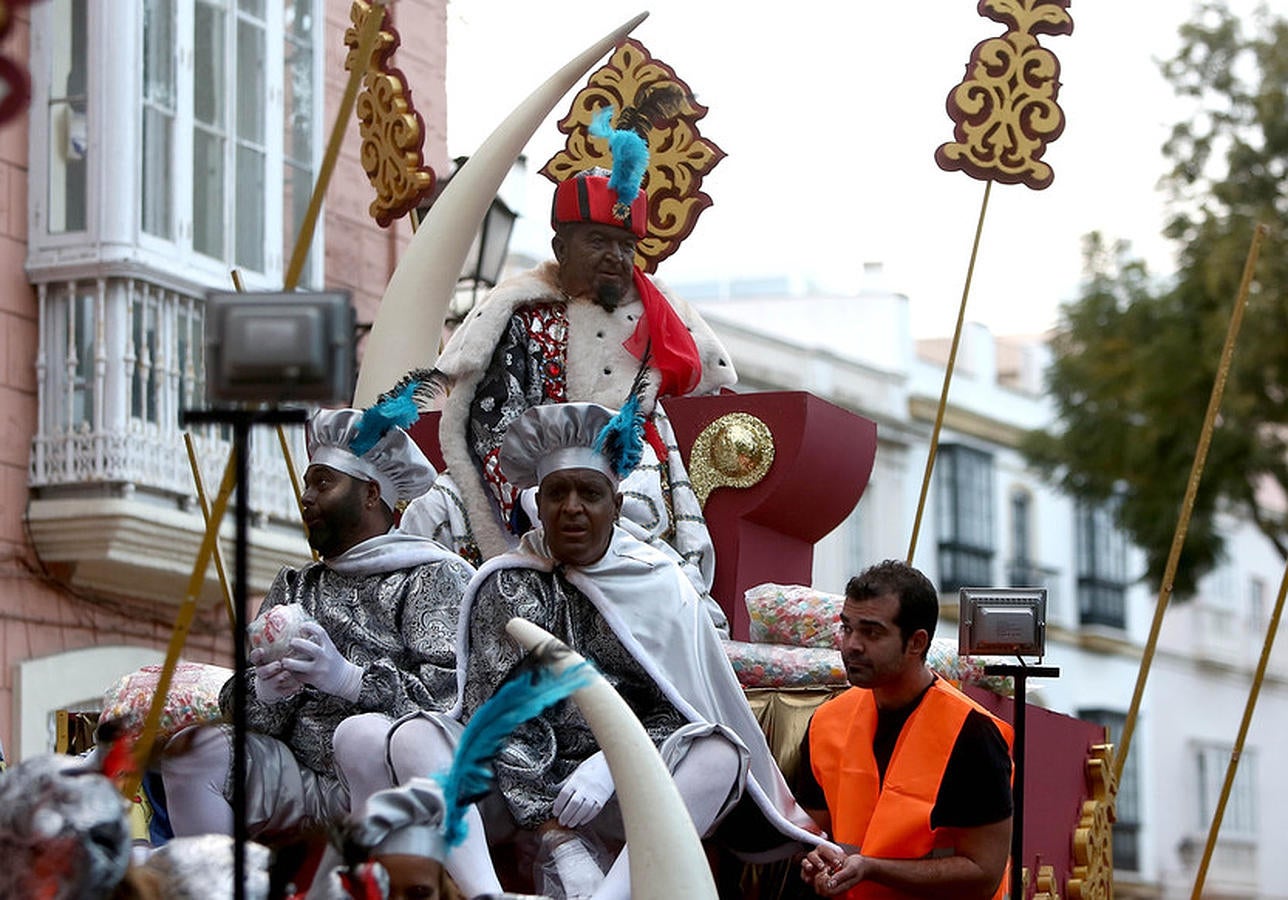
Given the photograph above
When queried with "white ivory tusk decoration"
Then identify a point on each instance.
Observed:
(666, 855)
(409, 321)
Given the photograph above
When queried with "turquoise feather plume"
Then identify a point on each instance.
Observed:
(394, 408)
(630, 156)
(524, 697)
(622, 439)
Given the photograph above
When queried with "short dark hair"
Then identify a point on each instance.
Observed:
(918, 599)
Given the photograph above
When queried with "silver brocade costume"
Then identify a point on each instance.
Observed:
(398, 624)
(543, 752)
(647, 620)
(585, 356)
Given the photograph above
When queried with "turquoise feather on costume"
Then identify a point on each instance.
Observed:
(622, 439)
(524, 697)
(397, 409)
(630, 156)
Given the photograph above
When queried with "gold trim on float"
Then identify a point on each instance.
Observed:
(679, 156)
(1093, 839)
(736, 450)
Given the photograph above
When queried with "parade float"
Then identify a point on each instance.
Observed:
(754, 458)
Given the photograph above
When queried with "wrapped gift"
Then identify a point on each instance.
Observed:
(792, 617)
(275, 629)
(781, 665)
(193, 697)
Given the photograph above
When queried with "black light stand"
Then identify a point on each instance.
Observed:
(241, 421)
(1020, 673)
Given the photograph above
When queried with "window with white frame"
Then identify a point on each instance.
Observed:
(964, 500)
(68, 110)
(1239, 819)
(1102, 566)
(203, 114)
(1258, 616)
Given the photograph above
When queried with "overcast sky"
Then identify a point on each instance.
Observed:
(830, 112)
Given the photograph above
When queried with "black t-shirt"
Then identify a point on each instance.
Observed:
(976, 788)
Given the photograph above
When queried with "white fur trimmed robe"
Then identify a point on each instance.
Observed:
(598, 369)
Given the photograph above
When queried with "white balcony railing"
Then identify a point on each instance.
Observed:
(118, 360)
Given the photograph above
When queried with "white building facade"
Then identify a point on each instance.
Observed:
(990, 520)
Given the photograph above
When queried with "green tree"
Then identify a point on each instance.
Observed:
(1135, 360)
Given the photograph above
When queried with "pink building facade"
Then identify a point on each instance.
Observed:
(167, 142)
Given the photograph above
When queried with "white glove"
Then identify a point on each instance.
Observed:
(315, 661)
(585, 792)
(272, 682)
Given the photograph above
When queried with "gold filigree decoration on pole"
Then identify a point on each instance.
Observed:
(1005, 109)
(679, 156)
(1093, 839)
(393, 133)
(1005, 114)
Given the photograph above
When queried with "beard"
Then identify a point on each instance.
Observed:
(338, 530)
(608, 294)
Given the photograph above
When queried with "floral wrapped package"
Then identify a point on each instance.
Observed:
(781, 665)
(796, 626)
(193, 697)
(793, 614)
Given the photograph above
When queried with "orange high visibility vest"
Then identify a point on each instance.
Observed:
(890, 821)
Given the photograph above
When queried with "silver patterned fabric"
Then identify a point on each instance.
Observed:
(63, 831)
(544, 751)
(400, 626)
(201, 868)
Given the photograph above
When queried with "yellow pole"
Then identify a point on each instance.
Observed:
(205, 515)
(295, 483)
(188, 609)
(948, 377)
(366, 43)
(1187, 504)
(1214, 829)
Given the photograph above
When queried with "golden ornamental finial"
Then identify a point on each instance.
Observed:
(393, 133)
(1005, 109)
(679, 157)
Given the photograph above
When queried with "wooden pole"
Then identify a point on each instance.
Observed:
(1215, 828)
(366, 43)
(1187, 504)
(205, 515)
(183, 621)
(948, 377)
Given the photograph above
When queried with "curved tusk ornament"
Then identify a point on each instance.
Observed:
(666, 854)
(405, 332)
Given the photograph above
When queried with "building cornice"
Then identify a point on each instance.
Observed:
(973, 424)
(129, 547)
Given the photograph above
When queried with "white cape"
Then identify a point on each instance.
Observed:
(659, 618)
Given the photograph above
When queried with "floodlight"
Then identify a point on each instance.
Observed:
(1002, 621)
(279, 347)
